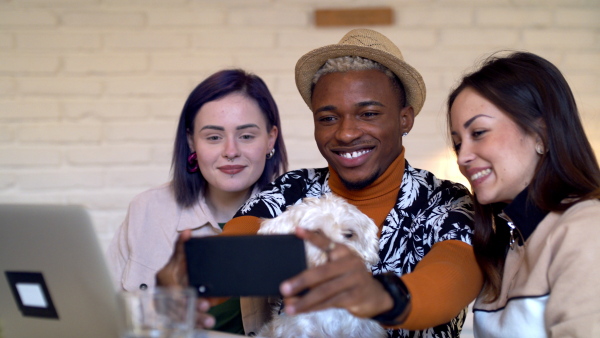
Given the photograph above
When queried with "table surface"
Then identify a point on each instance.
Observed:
(214, 334)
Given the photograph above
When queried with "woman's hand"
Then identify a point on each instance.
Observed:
(343, 282)
(174, 274)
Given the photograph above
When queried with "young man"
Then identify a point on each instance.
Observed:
(364, 99)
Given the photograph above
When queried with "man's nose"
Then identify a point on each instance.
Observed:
(349, 130)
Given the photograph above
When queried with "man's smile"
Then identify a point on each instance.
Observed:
(354, 154)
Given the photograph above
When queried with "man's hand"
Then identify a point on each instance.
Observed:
(343, 282)
(174, 274)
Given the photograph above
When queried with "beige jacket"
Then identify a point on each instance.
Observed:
(144, 243)
(551, 284)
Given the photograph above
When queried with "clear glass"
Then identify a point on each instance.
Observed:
(159, 313)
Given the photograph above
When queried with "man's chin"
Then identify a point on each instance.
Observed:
(359, 184)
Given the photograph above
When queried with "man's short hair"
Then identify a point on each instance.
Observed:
(356, 63)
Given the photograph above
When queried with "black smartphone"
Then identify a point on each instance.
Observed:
(227, 266)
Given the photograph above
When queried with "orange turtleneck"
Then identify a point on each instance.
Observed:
(377, 199)
(445, 281)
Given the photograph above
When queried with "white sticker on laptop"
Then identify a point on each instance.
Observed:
(32, 295)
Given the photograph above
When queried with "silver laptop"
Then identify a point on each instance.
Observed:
(54, 281)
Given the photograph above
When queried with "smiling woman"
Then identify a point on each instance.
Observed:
(233, 139)
(228, 145)
(520, 143)
(496, 155)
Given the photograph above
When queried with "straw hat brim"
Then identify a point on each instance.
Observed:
(310, 63)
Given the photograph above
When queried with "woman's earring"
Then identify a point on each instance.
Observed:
(539, 148)
(192, 163)
(270, 154)
(404, 134)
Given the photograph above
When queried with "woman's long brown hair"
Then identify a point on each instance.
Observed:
(535, 95)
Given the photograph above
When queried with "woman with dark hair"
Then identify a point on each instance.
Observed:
(520, 143)
(228, 145)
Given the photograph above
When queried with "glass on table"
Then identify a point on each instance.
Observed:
(163, 312)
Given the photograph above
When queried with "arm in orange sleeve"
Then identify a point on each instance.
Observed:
(243, 225)
(444, 282)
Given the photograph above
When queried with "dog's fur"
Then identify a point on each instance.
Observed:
(342, 223)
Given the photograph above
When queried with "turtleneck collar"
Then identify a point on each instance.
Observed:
(388, 182)
(524, 214)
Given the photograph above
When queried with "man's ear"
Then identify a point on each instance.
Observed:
(407, 119)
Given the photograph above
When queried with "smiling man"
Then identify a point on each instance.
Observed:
(364, 98)
(359, 120)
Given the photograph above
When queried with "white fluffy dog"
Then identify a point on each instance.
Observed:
(342, 223)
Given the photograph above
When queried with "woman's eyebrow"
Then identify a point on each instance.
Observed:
(472, 119)
(213, 127)
(246, 126)
(243, 126)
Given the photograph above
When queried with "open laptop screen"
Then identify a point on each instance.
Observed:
(54, 281)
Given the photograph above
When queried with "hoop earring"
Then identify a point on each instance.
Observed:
(539, 148)
(270, 154)
(192, 163)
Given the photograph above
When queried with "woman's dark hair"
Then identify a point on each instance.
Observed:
(535, 95)
(188, 186)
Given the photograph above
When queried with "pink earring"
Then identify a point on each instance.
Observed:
(192, 163)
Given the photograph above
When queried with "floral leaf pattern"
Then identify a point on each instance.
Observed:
(289, 189)
(428, 210)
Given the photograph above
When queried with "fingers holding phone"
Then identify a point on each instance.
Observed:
(342, 282)
(174, 274)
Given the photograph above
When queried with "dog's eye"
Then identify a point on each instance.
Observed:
(348, 234)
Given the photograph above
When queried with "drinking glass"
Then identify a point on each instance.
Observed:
(159, 313)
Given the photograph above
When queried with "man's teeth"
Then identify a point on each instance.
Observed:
(354, 154)
(481, 174)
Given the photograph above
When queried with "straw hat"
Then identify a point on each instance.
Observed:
(368, 44)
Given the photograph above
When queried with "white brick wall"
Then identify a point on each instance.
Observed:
(90, 90)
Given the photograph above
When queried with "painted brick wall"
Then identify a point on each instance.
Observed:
(90, 90)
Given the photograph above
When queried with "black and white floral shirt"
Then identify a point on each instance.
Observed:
(428, 210)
